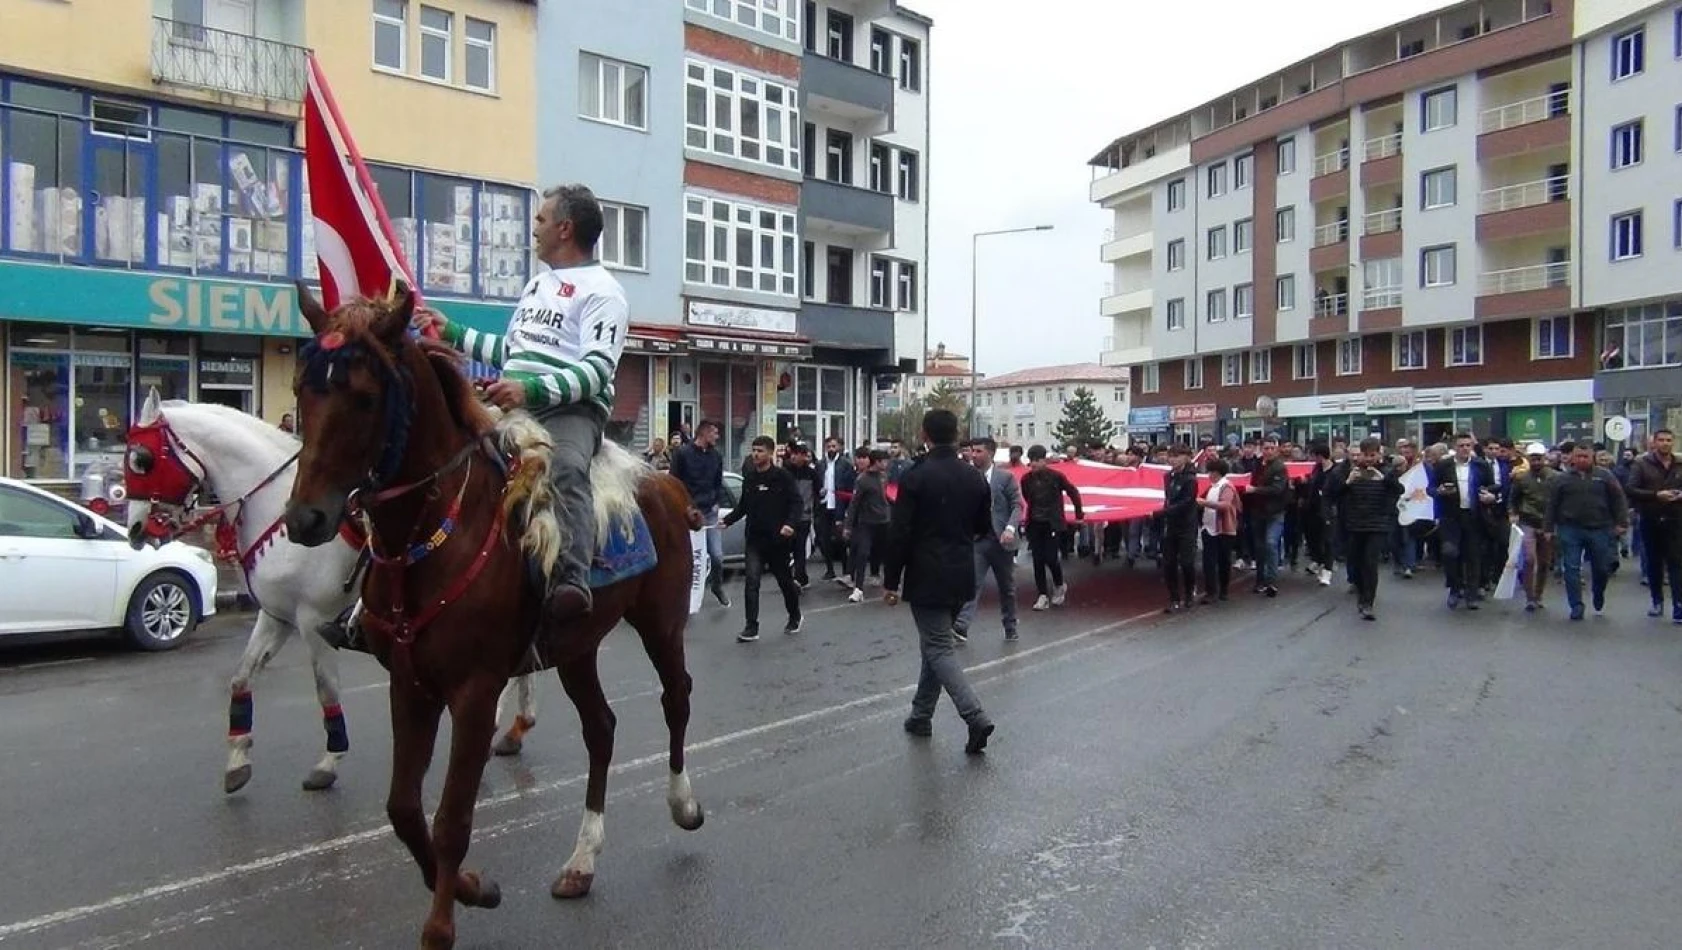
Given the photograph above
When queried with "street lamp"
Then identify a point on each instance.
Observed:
(974, 296)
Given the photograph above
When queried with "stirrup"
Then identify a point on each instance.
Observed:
(344, 632)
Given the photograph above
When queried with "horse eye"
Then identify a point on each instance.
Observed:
(140, 460)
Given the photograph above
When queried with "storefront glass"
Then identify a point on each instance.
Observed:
(165, 364)
(743, 422)
(228, 371)
(1645, 415)
(816, 404)
(102, 395)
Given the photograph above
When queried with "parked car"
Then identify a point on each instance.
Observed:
(735, 548)
(66, 569)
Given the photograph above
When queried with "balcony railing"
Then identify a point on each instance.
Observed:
(187, 54)
(1335, 233)
(1379, 222)
(1331, 162)
(1382, 147)
(1524, 111)
(1331, 305)
(1524, 195)
(1381, 298)
(1516, 280)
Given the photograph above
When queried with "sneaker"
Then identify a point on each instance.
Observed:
(748, 635)
(1325, 577)
(1044, 603)
(856, 597)
(793, 626)
(918, 726)
(978, 736)
(1011, 637)
(1173, 608)
(1059, 594)
(1407, 573)
(844, 581)
(1366, 613)
(1599, 598)
(803, 582)
(1531, 606)
(1657, 610)
(960, 634)
(720, 596)
(1271, 591)
(829, 575)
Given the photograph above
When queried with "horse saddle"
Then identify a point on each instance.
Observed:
(628, 551)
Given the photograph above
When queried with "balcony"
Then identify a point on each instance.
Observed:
(1331, 176)
(1524, 195)
(1524, 291)
(841, 89)
(1326, 235)
(844, 327)
(1532, 207)
(1530, 125)
(1115, 305)
(1524, 112)
(845, 208)
(1143, 171)
(1382, 147)
(1124, 247)
(1381, 298)
(1381, 222)
(198, 57)
(1331, 162)
(1331, 305)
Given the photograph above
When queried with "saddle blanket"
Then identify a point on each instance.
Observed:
(629, 551)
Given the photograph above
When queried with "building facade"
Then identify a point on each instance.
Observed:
(764, 168)
(1379, 239)
(1024, 407)
(152, 214)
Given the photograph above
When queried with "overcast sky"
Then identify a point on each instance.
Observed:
(1021, 102)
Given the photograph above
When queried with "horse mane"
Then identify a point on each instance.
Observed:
(459, 396)
(283, 443)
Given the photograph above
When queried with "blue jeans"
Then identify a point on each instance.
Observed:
(715, 549)
(1267, 535)
(1406, 547)
(1600, 547)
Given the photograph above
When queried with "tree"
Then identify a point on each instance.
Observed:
(944, 396)
(901, 423)
(1083, 423)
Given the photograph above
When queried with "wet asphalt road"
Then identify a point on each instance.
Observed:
(1268, 773)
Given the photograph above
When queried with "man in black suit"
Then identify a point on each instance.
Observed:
(1466, 499)
(944, 507)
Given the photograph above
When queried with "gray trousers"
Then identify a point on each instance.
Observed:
(991, 557)
(941, 669)
(577, 434)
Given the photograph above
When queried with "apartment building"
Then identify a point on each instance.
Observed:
(152, 209)
(763, 165)
(1024, 407)
(1378, 239)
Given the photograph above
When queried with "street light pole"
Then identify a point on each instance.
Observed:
(974, 307)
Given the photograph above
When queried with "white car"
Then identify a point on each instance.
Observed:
(64, 568)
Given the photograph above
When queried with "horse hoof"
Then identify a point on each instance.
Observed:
(507, 745)
(319, 780)
(571, 885)
(689, 822)
(490, 893)
(235, 779)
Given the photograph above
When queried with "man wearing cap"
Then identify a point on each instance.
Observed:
(1527, 507)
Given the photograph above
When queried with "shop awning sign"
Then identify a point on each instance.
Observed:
(1398, 399)
(733, 346)
(1193, 414)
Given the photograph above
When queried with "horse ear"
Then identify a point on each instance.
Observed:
(393, 319)
(314, 314)
(152, 410)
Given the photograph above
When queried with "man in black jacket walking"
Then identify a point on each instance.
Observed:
(1265, 500)
(1179, 528)
(771, 506)
(700, 467)
(1466, 497)
(944, 507)
(1368, 493)
(1655, 486)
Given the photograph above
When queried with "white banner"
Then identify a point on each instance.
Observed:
(697, 569)
(1415, 503)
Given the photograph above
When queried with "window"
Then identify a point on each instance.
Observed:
(1150, 378)
(1217, 180)
(776, 17)
(479, 57)
(1436, 266)
(1232, 369)
(1177, 254)
(1553, 338)
(1679, 127)
(1645, 336)
(838, 274)
(1243, 301)
(1177, 193)
(1285, 292)
(1629, 53)
(838, 157)
(1286, 154)
(390, 34)
(624, 241)
(809, 269)
(1243, 170)
(881, 157)
(1382, 282)
(910, 65)
(1217, 242)
(1438, 109)
(1194, 373)
(908, 185)
(1243, 236)
(881, 270)
(1410, 350)
(741, 115)
(1626, 144)
(1626, 235)
(881, 51)
(26, 516)
(1465, 346)
(612, 91)
(435, 43)
(1349, 357)
(1215, 306)
(1438, 188)
(1261, 366)
(1177, 314)
(1304, 360)
(1676, 224)
(1285, 224)
(907, 283)
(838, 37)
(740, 245)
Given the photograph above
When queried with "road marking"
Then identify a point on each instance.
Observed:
(182, 885)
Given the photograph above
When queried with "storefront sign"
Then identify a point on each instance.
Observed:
(1193, 415)
(1399, 399)
(711, 344)
(1530, 425)
(1147, 418)
(103, 360)
(652, 345)
(723, 316)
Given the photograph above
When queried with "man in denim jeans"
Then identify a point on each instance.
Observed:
(1264, 502)
(1587, 510)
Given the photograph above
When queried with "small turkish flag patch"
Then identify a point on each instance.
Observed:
(567, 289)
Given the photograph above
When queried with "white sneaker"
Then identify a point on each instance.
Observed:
(1325, 577)
(1044, 603)
(856, 597)
(1059, 594)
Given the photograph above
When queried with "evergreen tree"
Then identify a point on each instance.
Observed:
(1083, 423)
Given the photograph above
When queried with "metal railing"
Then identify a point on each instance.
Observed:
(1525, 194)
(1516, 280)
(1381, 298)
(187, 54)
(1525, 111)
(1382, 147)
(1335, 233)
(1331, 162)
(1379, 222)
(1331, 305)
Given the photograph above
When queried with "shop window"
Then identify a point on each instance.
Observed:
(630, 424)
(43, 184)
(165, 364)
(446, 210)
(504, 240)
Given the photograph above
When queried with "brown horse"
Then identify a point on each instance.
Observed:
(394, 435)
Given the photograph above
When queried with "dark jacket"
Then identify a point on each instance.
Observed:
(845, 476)
(1482, 476)
(769, 501)
(1272, 484)
(702, 472)
(1646, 479)
(1043, 491)
(1527, 498)
(1368, 497)
(1179, 503)
(870, 502)
(1594, 501)
(808, 484)
(944, 507)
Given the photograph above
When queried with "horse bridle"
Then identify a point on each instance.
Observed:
(169, 518)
